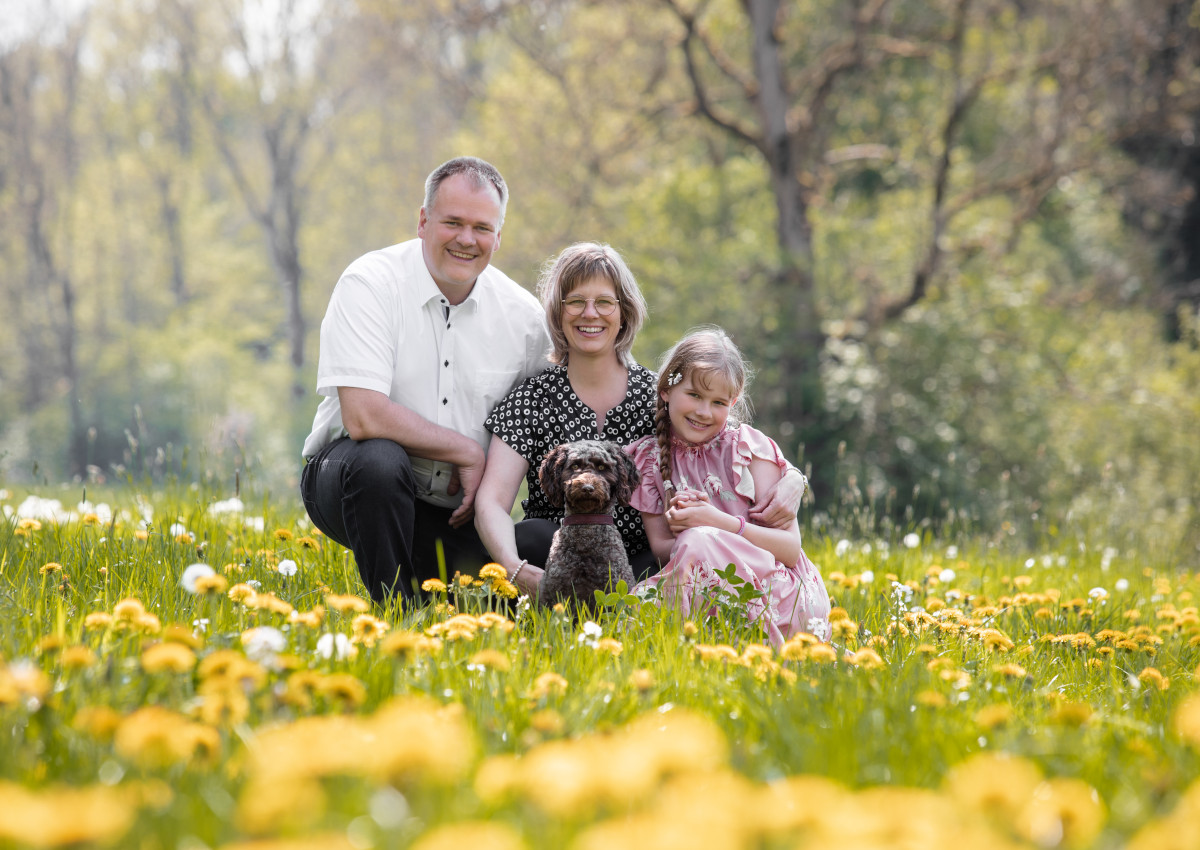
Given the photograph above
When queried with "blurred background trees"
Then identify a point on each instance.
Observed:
(960, 239)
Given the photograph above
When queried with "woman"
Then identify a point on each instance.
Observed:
(594, 391)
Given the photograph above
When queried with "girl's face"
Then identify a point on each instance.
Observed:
(699, 412)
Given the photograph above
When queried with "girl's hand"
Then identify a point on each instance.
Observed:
(691, 509)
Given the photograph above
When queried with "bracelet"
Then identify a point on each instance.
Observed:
(513, 578)
(741, 524)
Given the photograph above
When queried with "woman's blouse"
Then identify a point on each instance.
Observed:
(544, 412)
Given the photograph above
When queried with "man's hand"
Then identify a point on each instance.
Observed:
(465, 478)
(777, 508)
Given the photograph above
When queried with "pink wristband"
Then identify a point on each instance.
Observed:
(741, 524)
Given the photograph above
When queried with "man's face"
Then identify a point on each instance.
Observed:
(460, 233)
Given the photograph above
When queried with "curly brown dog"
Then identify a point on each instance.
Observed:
(589, 478)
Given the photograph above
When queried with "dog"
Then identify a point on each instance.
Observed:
(588, 478)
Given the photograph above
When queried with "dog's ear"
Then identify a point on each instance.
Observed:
(627, 474)
(550, 475)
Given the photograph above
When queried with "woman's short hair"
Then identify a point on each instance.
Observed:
(577, 264)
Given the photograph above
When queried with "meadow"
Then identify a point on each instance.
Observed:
(180, 671)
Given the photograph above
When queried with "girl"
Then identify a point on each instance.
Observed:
(700, 473)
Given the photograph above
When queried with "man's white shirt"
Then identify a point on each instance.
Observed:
(390, 329)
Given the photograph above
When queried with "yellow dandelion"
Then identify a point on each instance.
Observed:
(548, 684)
(433, 585)
(97, 620)
(491, 659)
(718, 652)
(505, 589)
(154, 736)
(309, 619)
(482, 835)
(76, 657)
(1068, 713)
(270, 602)
(97, 721)
(283, 534)
(547, 721)
(642, 679)
(1152, 678)
(310, 543)
(343, 688)
(230, 569)
(994, 639)
(1186, 721)
(368, 630)
(612, 646)
(29, 524)
(141, 534)
(690, 629)
(991, 716)
(50, 567)
(405, 644)
(822, 653)
(211, 585)
(129, 610)
(993, 784)
(168, 658)
(843, 629)
(1061, 811)
(347, 604)
(931, 699)
(464, 580)
(867, 659)
(242, 593)
(1013, 671)
(59, 817)
(1022, 582)
(493, 571)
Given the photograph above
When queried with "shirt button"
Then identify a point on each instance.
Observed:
(447, 363)
(445, 400)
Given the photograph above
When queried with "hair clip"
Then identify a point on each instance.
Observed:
(674, 378)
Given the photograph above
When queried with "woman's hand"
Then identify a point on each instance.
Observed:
(778, 506)
(529, 579)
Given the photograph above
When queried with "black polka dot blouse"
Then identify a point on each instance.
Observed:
(543, 412)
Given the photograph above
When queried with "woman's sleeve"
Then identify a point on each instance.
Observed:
(648, 495)
(514, 419)
(751, 444)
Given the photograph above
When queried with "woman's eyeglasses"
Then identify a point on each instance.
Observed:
(604, 306)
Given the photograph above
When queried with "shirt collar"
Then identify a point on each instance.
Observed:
(429, 295)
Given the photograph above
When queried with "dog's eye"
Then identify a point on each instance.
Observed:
(575, 465)
(601, 467)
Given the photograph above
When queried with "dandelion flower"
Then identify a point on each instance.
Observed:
(822, 653)
(642, 679)
(368, 630)
(287, 567)
(97, 620)
(76, 657)
(609, 645)
(282, 534)
(56, 817)
(548, 722)
(867, 659)
(406, 644)
(1013, 671)
(309, 543)
(991, 716)
(97, 721)
(491, 659)
(1186, 721)
(343, 688)
(465, 580)
(129, 610)
(433, 585)
(168, 658)
(347, 604)
(190, 575)
(483, 835)
(50, 567)
(1063, 811)
(931, 699)
(548, 684)
(493, 571)
(993, 784)
(213, 585)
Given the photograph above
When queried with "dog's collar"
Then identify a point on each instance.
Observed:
(588, 519)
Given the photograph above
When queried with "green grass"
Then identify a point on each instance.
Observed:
(973, 694)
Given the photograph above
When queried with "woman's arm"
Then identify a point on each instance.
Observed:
(662, 541)
(493, 511)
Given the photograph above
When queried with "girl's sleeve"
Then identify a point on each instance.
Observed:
(751, 444)
(648, 495)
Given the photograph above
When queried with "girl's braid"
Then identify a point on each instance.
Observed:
(662, 430)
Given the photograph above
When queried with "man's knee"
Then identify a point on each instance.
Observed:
(380, 467)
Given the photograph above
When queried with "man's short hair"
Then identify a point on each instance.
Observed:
(479, 172)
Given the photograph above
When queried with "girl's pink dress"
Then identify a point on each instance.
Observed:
(794, 599)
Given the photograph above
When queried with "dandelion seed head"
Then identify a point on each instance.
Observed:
(193, 572)
(287, 567)
(912, 540)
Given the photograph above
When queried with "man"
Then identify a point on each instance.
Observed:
(419, 342)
